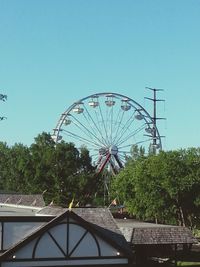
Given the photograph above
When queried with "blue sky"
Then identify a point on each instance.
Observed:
(55, 52)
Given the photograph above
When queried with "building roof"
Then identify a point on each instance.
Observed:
(13, 210)
(162, 235)
(142, 233)
(34, 200)
(100, 218)
(114, 238)
(135, 232)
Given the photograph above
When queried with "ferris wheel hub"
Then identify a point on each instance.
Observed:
(113, 150)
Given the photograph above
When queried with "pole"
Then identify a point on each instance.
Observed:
(154, 117)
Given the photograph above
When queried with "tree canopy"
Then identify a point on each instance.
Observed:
(60, 170)
(163, 187)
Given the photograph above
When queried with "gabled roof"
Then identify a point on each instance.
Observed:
(114, 239)
(98, 216)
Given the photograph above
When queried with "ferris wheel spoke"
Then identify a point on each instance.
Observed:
(99, 123)
(123, 161)
(81, 127)
(97, 130)
(88, 120)
(124, 154)
(96, 160)
(109, 122)
(75, 136)
(137, 143)
(107, 125)
(95, 155)
(119, 124)
(113, 168)
(116, 120)
(103, 122)
(87, 132)
(106, 119)
(111, 131)
(125, 127)
(121, 152)
(133, 134)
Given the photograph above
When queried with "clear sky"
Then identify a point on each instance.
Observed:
(54, 52)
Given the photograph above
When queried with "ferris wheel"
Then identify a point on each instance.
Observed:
(108, 125)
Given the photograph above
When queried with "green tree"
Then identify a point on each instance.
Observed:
(163, 187)
(43, 166)
(4, 166)
(182, 182)
(75, 173)
(19, 169)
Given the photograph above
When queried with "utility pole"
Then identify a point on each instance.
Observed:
(154, 117)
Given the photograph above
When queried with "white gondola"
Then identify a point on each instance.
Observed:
(149, 130)
(93, 104)
(78, 110)
(67, 121)
(110, 103)
(139, 116)
(125, 107)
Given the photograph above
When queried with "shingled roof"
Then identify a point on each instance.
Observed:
(141, 233)
(35, 200)
(161, 235)
(114, 236)
(100, 218)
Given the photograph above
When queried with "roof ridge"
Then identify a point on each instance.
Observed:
(48, 225)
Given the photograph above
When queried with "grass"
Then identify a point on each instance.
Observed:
(188, 264)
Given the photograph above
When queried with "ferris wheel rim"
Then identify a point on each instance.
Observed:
(130, 100)
(109, 158)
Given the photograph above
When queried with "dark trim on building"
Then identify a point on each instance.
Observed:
(67, 214)
(26, 218)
